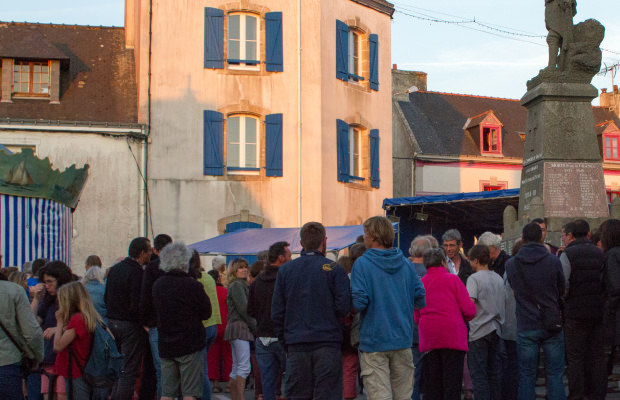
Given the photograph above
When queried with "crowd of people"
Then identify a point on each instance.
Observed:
(441, 324)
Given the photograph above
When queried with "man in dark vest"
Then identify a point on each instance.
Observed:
(582, 263)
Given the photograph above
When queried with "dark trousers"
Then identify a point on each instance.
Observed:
(132, 341)
(443, 374)
(271, 362)
(417, 376)
(587, 377)
(314, 373)
(510, 369)
(484, 365)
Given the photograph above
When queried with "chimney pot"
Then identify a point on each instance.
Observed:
(394, 66)
(603, 90)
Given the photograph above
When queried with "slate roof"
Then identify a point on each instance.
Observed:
(437, 121)
(97, 77)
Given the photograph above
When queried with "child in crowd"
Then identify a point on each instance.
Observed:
(77, 320)
(486, 289)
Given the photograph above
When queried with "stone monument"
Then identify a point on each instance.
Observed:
(562, 176)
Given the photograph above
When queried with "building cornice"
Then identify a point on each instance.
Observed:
(378, 5)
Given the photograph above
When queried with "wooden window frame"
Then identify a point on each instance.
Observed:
(498, 129)
(243, 169)
(612, 194)
(612, 138)
(242, 64)
(31, 80)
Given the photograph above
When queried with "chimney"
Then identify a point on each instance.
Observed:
(394, 66)
(604, 99)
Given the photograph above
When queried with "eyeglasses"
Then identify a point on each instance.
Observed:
(243, 267)
(49, 281)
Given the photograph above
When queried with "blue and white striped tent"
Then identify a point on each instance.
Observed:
(32, 228)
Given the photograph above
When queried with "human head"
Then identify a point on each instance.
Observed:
(378, 232)
(493, 242)
(595, 238)
(195, 266)
(479, 254)
(419, 245)
(346, 262)
(93, 274)
(610, 234)
(215, 274)
(532, 233)
(356, 251)
(543, 227)
(218, 263)
(55, 274)
(256, 268)
(175, 257)
(263, 256)
(576, 229)
(27, 268)
(233, 270)
(433, 240)
(21, 278)
(434, 258)
(517, 246)
(140, 250)
(73, 298)
(92, 261)
(279, 253)
(37, 265)
(452, 241)
(160, 242)
(312, 236)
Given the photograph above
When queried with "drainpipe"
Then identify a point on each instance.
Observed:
(299, 163)
(144, 191)
(413, 174)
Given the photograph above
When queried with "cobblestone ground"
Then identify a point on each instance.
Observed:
(613, 388)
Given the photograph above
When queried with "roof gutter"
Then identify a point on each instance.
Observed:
(133, 130)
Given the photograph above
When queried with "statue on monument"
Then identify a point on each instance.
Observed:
(574, 53)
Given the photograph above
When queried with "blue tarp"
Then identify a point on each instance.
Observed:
(252, 241)
(445, 198)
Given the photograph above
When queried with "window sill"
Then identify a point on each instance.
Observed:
(355, 78)
(242, 171)
(356, 178)
(358, 185)
(30, 97)
(490, 154)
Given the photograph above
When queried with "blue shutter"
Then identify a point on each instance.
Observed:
(342, 50)
(273, 41)
(343, 150)
(273, 144)
(374, 158)
(214, 38)
(213, 143)
(373, 41)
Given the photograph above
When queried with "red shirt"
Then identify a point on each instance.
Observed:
(80, 347)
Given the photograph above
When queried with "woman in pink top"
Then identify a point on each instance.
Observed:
(443, 328)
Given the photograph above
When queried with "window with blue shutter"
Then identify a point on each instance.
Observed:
(214, 38)
(343, 150)
(342, 50)
(373, 44)
(273, 145)
(374, 158)
(213, 145)
(273, 41)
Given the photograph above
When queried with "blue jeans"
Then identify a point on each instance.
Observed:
(417, 375)
(528, 344)
(154, 343)
(11, 381)
(33, 383)
(484, 366)
(510, 369)
(314, 372)
(271, 362)
(211, 333)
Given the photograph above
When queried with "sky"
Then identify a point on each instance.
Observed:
(493, 56)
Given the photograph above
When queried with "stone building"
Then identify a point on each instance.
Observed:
(268, 113)
(453, 143)
(69, 94)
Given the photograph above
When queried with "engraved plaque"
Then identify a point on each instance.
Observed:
(573, 189)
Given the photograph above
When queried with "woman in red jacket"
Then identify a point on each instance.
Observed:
(219, 357)
(443, 328)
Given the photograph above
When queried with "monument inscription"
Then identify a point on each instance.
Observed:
(572, 189)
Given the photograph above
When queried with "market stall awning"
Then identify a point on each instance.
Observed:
(252, 241)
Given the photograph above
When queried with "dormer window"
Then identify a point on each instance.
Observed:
(611, 147)
(490, 140)
(31, 78)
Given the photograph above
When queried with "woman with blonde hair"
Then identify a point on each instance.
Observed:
(239, 325)
(76, 322)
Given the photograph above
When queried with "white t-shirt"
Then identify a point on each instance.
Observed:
(487, 290)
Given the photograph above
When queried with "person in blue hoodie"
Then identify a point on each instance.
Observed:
(386, 289)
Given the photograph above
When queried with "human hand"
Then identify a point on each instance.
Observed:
(49, 332)
(37, 290)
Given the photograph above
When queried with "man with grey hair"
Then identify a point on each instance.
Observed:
(452, 243)
(218, 263)
(498, 256)
(181, 304)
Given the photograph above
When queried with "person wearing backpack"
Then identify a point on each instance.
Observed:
(77, 320)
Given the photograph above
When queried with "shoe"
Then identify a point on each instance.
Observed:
(469, 395)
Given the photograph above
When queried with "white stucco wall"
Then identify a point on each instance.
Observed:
(463, 178)
(107, 216)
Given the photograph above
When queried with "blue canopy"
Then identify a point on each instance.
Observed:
(446, 198)
(252, 241)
